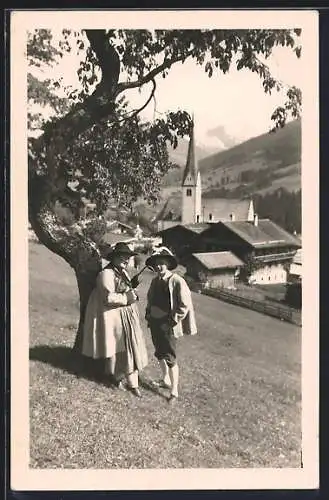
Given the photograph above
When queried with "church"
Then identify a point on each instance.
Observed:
(196, 209)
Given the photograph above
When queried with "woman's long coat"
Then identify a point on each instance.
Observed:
(108, 318)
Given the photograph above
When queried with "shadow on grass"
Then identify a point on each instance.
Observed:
(65, 359)
(148, 386)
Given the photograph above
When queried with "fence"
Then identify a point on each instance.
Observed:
(284, 313)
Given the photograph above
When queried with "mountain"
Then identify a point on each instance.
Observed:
(261, 164)
(219, 133)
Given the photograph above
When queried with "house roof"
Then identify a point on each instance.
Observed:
(171, 209)
(265, 234)
(218, 260)
(126, 226)
(196, 228)
(298, 257)
(113, 238)
(221, 209)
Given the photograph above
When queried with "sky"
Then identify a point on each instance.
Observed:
(235, 101)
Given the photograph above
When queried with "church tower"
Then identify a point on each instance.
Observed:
(191, 186)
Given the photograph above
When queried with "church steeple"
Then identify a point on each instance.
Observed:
(190, 175)
(191, 185)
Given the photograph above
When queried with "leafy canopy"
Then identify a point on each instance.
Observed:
(114, 155)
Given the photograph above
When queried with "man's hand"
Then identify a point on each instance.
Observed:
(135, 281)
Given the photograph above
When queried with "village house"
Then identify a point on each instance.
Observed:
(118, 227)
(295, 270)
(183, 239)
(214, 269)
(266, 249)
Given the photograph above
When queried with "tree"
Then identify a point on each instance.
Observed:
(94, 146)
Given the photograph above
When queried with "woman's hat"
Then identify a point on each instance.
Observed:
(120, 248)
(163, 253)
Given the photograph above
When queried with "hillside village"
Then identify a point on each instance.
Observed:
(220, 241)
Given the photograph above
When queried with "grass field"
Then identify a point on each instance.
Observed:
(240, 394)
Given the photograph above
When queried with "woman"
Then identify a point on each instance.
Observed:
(112, 329)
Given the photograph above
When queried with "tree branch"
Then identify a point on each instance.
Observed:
(137, 111)
(97, 106)
(153, 73)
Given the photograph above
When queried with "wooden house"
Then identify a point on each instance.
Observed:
(266, 249)
(214, 269)
(183, 239)
(118, 227)
(295, 270)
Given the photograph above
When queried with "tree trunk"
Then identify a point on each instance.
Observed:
(78, 251)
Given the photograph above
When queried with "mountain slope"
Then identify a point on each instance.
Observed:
(261, 164)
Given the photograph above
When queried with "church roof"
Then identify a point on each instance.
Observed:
(197, 227)
(221, 208)
(191, 167)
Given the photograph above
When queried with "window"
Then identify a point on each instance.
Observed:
(189, 192)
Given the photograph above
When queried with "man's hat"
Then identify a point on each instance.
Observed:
(163, 253)
(120, 248)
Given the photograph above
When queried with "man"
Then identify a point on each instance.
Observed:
(169, 314)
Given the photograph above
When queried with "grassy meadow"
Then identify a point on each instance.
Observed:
(240, 389)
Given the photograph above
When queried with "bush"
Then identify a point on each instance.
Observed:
(293, 295)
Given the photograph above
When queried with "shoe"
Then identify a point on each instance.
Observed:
(162, 384)
(135, 391)
(116, 384)
(172, 399)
